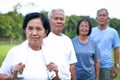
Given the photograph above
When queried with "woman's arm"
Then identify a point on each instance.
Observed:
(97, 68)
(57, 76)
(53, 67)
(6, 77)
(18, 68)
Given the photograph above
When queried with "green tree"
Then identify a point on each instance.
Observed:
(115, 23)
(11, 24)
(45, 13)
(5, 26)
(70, 26)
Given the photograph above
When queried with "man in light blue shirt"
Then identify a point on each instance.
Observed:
(107, 40)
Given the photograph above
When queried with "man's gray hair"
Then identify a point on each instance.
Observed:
(102, 10)
(50, 13)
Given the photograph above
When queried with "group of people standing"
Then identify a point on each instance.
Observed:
(48, 54)
(94, 48)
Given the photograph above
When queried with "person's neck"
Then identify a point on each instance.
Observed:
(35, 47)
(102, 27)
(83, 39)
(57, 33)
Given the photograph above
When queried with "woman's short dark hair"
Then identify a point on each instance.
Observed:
(78, 24)
(33, 15)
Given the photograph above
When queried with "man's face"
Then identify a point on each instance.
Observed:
(57, 22)
(102, 18)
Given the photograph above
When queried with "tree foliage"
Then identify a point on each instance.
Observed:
(115, 23)
(11, 24)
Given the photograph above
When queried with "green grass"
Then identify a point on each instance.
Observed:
(4, 48)
(118, 76)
